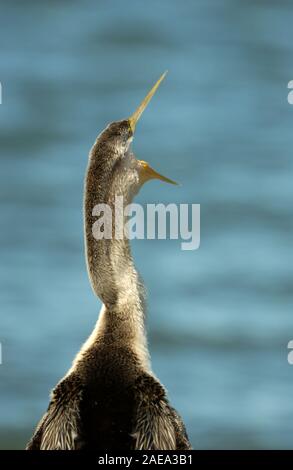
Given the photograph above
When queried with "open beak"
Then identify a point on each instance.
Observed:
(148, 173)
(136, 115)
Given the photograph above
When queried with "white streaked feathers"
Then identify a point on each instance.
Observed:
(60, 428)
(154, 429)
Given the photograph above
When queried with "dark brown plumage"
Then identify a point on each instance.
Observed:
(110, 398)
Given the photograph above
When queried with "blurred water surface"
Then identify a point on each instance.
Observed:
(220, 318)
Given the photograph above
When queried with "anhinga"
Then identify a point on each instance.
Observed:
(110, 399)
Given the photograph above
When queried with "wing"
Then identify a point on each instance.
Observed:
(60, 429)
(158, 426)
(182, 441)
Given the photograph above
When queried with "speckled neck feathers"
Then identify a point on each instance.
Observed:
(112, 273)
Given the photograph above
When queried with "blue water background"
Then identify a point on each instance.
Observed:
(220, 318)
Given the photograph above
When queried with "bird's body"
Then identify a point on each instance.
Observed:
(110, 398)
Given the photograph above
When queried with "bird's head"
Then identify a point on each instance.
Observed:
(114, 144)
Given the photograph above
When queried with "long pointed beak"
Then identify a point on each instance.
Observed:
(136, 115)
(148, 173)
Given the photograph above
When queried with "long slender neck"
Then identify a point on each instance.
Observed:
(112, 273)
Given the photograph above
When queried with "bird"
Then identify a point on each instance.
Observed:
(110, 398)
